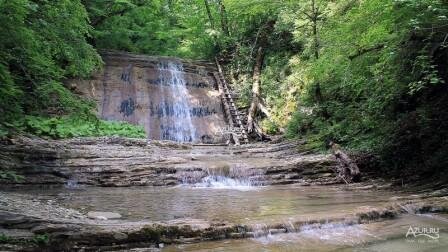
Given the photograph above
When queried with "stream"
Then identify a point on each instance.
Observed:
(238, 202)
(221, 203)
(384, 236)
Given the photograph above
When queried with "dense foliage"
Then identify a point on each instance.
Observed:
(41, 44)
(381, 74)
(370, 75)
(154, 27)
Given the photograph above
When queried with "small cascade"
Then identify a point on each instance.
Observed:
(223, 177)
(338, 233)
(221, 182)
(290, 227)
(174, 109)
(332, 233)
(261, 230)
(72, 184)
(409, 208)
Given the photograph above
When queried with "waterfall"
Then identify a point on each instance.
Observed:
(222, 182)
(223, 177)
(176, 124)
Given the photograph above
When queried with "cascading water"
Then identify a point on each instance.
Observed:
(224, 177)
(331, 233)
(222, 182)
(176, 124)
(72, 184)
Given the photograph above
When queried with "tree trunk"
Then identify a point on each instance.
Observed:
(224, 22)
(255, 90)
(314, 19)
(316, 41)
(209, 14)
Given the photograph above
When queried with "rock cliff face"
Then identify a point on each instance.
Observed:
(133, 162)
(173, 99)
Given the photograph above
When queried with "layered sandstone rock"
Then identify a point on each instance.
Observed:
(173, 99)
(129, 162)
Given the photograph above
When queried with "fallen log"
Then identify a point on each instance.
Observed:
(348, 170)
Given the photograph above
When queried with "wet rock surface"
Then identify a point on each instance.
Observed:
(69, 230)
(138, 162)
(171, 98)
(30, 223)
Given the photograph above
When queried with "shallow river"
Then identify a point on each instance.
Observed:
(239, 203)
(387, 236)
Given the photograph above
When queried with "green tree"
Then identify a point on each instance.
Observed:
(42, 43)
(160, 27)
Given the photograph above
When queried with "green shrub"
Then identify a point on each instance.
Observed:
(39, 240)
(10, 175)
(269, 127)
(71, 126)
(42, 239)
(4, 239)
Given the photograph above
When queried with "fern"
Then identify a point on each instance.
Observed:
(74, 126)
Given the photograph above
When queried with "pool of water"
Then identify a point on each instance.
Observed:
(234, 201)
(237, 205)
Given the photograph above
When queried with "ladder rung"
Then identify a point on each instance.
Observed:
(229, 105)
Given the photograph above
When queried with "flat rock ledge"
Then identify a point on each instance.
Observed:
(50, 229)
(111, 161)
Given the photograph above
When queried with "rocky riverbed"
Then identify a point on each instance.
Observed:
(135, 162)
(66, 201)
(23, 218)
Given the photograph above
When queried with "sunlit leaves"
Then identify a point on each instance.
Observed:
(69, 126)
(174, 28)
(41, 43)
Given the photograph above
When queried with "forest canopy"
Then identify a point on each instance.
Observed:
(370, 75)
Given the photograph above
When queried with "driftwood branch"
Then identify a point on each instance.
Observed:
(347, 170)
(259, 131)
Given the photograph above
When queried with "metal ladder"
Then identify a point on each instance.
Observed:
(231, 111)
